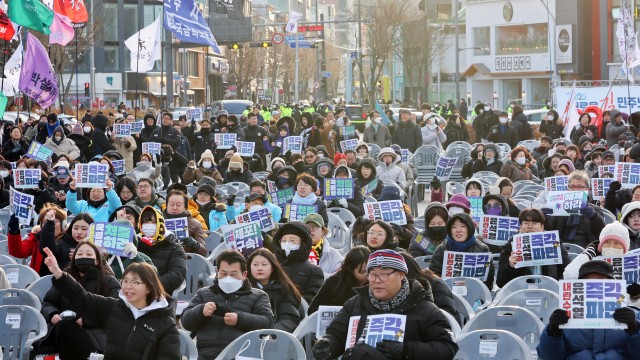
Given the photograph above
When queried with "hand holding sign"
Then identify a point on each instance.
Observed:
(52, 263)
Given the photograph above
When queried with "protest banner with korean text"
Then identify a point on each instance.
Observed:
(225, 141)
(261, 216)
(496, 230)
(281, 197)
(377, 328)
(476, 208)
(347, 131)
(178, 226)
(151, 148)
(118, 167)
(590, 304)
(91, 175)
(294, 212)
(348, 145)
(111, 237)
(293, 144)
(625, 267)
(628, 174)
(245, 238)
(136, 127)
(445, 167)
(21, 206)
(39, 152)
(556, 183)
(564, 203)
(26, 178)
(475, 265)
(391, 211)
(245, 148)
(600, 186)
(537, 249)
(339, 188)
(121, 130)
(325, 316)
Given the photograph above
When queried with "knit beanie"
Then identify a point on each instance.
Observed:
(338, 157)
(616, 232)
(387, 259)
(207, 154)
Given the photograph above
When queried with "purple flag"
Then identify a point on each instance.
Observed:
(37, 79)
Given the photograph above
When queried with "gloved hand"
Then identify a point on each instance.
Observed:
(588, 212)
(130, 250)
(615, 186)
(592, 250)
(633, 290)
(626, 316)
(392, 349)
(557, 318)
(397, 229)
(546, 211)
(322, 350)
(343, 203)
(191, 243)
(14, 225)
(231, 199)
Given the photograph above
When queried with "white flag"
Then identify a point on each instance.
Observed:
(627, 40)
(145, 47)
(292, 24)
(570, 116)
(12, 73)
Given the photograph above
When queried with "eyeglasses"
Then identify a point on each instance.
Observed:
(124, 282)
(374, 233)
(578, 187)
(530, 223)
(382, 277)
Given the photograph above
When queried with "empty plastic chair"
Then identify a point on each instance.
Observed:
(20, 276)
(212, 241)
(522, 322)
(339, 235)
(188, 347)
(539, 301)
(471, 289)
(306, 333)
(528, 282)
(216, 252)
(19, 297)
(492, 344)
(200, 273)
(239, 185)
(22, 326)
(40, 287)
(455, 327)
(267, 344)
(6, 260)
(464, 309)
(424, 261)
(344, 214)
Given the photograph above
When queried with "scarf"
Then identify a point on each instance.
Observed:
(316, 251)
(309, 200)
(394, 302)
(460, 246)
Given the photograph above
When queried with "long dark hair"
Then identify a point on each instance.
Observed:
(277, 274)
(101, 275)
(81, 216)
(345, 281)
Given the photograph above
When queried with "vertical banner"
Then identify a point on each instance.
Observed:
(496, 230)
(537, 249)
(590, 303)
(445, 167)
(564, 44)
(475, 265)
(476, 208)
(405, 155)
(391, 211)
(111, 237)
(339, 188)
(21, 205)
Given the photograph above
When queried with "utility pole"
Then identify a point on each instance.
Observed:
(457, 33)
(92, 61)
(323, 63)
(360, 53)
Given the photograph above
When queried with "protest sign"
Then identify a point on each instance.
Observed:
(628, 174)
(348, 145)
(625, 267)
(325, 316)
(118, 167)
(600, 187)
(271, 186)
(475, 265)
(225, 141)
(405, 155)
(245, 148)
(91, 175)
(243, 237)
(260, 215)
(537, 249)
(557, 183)
(121, 130)
(347, 131)
(370, 187)
(281, 197)
(151, 148)
(137, 127)
(178, 226)
(111, 237)
(590, 303)
(423, 242)
(26, 178)
(445, 167)
(476, 208)
(21, 205)
(339, 188)
(293, 144)
(602, 169)
(39, 152)
(194, 114)
(565, 202)
(496, 230)
(376, 329)
(294, 212)
(391, 211)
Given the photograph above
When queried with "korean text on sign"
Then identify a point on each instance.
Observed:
(39, 152)
(556, 183)
(121, 130)
(111, 237)
(325, 316)
(339, 188)
(261, 216)
(225, 140)
(383, 327)
(496, 230)
(293, 144)
(294, 212)
(391, 211)
(118, 167)
(26, 178)
(600, 186)
(628, 174)
(178, 226)
(536, 249)
(626, 267)
(565, 202)
(281, 197)
(445, 167)
(21, 205)
(91, 175)
(348, 145)
(245, 148)
(137, 127)
(243, 237)
(475, 265)
(476, 208)
(590, 304)
(151, 148)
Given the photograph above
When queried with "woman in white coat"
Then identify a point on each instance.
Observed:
(432, 134)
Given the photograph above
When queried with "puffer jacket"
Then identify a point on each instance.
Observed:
(588, 344)
(251, 305)
(427, 330)
(156, 201)
(307, 276)
(284, 308)
(190, 174)
(145, 170)
(437, 261)
(83, 142)
(407, 135)
(362, 183)
(515, 172)
(128, 338)
(12, 151)
(99, 214)
(126, 146)
(61, 248)
(29, 247)
(66, 145)
(614, 130)
(433, 136)
(392, 172)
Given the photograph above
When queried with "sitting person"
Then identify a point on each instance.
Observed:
(100, 203)
(146, 195)
(306, 187)
(206, 167)
(177, 204)
(322, 254)
(435, 230)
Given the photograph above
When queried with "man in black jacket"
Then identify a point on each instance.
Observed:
(100, 144)
(202, 140)
(255, 134)
(485, 120)
(227, 309)
(407, 133)
(166, 134)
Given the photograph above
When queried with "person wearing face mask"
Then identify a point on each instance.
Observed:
(237, 171)
(276, 145)
(292, 246)
(15, 145)
(322, 254)
(166, 134)
(488, 160)
(615, 128)
(100, 203)
(60, 144)
(78, 337)
(81, 136)
(432, 134)
(517, 167)
(206, 166)
(377, 133)
(387, 170)
(145, 169)
(100, 143)
(162, 247)
(285, 177)
(222, 312)
(435, 230)
(521, 123)
(630, 219)
(457, 204)
(552, 126)
(46, 131)
(407, 133)
(503, 132)
(485, 120)
(202, 140)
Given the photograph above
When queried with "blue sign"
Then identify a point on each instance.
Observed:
(327, 74)
(292, 38)
(184, 19)
(301, 44)
(354, 54)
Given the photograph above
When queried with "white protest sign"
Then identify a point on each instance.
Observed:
(445, 167)
(91, 175)
(475, 265)
(537, 249)
(391, 211)
(590, 304)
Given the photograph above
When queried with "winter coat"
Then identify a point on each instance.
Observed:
(184, 148)
(436, 137)
(13, 151)
(246, 176)
(217, 219)
(190, 174)
(588, 344)
(577, 229)
(407, 135)
(154, 333)
(416, 250)
(169, 259)
(427, 330)
(29, 247)
(99, 214)
(506, 273)
(145, 170)
(61, 248)
(551, 129)
(213, 335)
(391, 172)
(310, 137)
(330, 295)
(156, 202)
(438, 261)
(284, 308)
(256, 134)
(482, 165)
(201, 142)
(165, 135)
(506, 134)
(100, 143)
(515, 171)
(330, 260)
(126, 146)
(484, 122)
(83, 142)
(455, 133)
(66, 146)
(614, 130)
(382, 136)
(521, 123)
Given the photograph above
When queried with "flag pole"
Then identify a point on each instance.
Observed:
(76, 64)
(162, 72)
(137, 73)
(625, 4)
(4, 63)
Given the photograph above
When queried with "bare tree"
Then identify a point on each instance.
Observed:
(244, 66)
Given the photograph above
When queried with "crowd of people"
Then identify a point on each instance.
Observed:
(122, 305)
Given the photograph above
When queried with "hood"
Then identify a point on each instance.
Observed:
(501, 199)
(283, 127)
(474, 181)
(627, 209)
(288, 122)
(161, 230)
(297, 228)
(478, 107)
(113, 154)
(369, 163)
(276, 159)
(309, 118)
(431, 207)
(323, 149)
(343, 169)
(163, 304)
(320, 162)
(292, 174)
(100, 122)
(60, 130)
(493, 147)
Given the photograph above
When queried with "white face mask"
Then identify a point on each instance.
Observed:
(149, 229)
(58, 138)
(4, 173)
(455, 210)
(607, 251)
(480, 111)
(320, 155)
(431, 126)
(87, 129)
(549, 117)
(229, 284)
(521, 160)
(289, 247)
(486, 108)
(206, 164)
(256, 207)
(503, 120)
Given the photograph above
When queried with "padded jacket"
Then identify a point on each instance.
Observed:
(285, 308)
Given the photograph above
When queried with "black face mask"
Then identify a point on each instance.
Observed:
(85, 265)
(205, 131)
(438, 232)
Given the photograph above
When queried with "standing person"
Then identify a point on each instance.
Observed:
(427, 330)
(432, 134)
(615, 128)
(100, 143)
(456, 130)
(377, 133)
(463, 109)
(227, 309)
(552, 125)
(143, 305)
(310, 135)
(503, 132)
(202, 140)
(407, 134)
(165, 134)
(521, 123)
(256, 134)
(126, 146)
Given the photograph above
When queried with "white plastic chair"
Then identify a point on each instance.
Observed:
(470, 289)
(266, 344)
(22, 326)
(495, 344)
(41, 286)
(188, 347)
(306, 333)
(539, 301)
(339, 235)
(528, 282)
(20, 276)
(19, 297)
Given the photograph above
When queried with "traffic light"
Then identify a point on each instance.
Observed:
(235, 46)
(260, 44)
(87, 89)
(266, 44)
